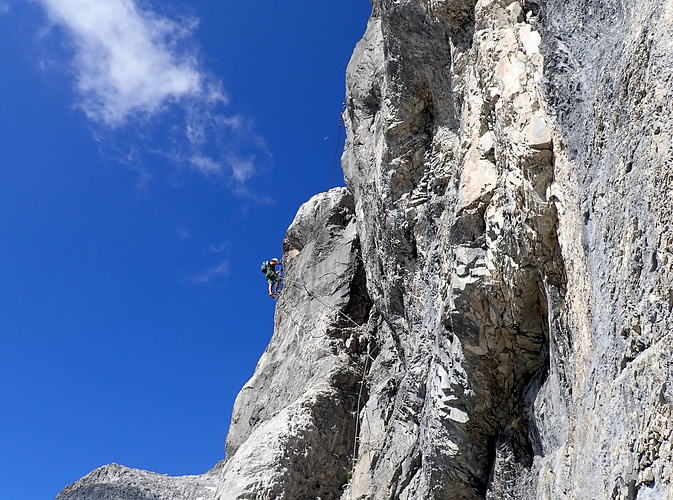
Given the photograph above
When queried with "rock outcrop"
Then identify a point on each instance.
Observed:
(116, 482)
(465, 252)
(499, 153)
(486, 311)
(294, 423)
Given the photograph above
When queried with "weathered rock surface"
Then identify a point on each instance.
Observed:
(116, 482)
(293, 427)
(608, 84)
(510, 165)
(452, 166)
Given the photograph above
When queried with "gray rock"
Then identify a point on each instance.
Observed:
(523, 279)
(293, 427)
(116, 482)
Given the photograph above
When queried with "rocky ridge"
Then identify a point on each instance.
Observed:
(116, 482)
(485, 312)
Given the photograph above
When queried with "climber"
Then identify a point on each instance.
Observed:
(272, 276)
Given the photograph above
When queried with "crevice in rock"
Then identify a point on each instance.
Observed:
(519, 372)
(505, 329)
(360, 304)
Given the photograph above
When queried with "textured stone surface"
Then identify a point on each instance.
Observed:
(608, 82)
(293, 425)
(498, 154)
(116, 482)
(462, 252)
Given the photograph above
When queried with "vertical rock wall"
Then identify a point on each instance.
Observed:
(293, 426)
(608, 83)
(498, 153)
(450, 157)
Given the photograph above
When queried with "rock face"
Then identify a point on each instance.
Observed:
(498, 154)
(450, 149)
(486, 311)
(293, 427)
(116, 482)
(608, 82)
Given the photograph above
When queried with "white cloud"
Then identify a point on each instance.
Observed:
(221, 248)
(241, 168)
(235, 168)
(205, 165)
(128, 61)
(137, 78)
(219, 270)
(4, 8)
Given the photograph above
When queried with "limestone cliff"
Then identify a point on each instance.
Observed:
(485, 312)
(510, 164)
(293, 428)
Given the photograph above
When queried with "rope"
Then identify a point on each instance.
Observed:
(302, 330)
(316, 297)
(336, 147)
(368, 357)
(356, 440)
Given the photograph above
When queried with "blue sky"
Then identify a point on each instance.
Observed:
(151, 156)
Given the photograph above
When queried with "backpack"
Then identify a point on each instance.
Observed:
(266, 265)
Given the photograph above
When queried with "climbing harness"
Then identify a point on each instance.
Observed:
(281, 283)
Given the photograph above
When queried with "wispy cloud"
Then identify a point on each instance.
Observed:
(219, 248)
(128, 60)
(222, 269)
(4, 8)
(205, 165)
(241, 168)
(135, 69)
